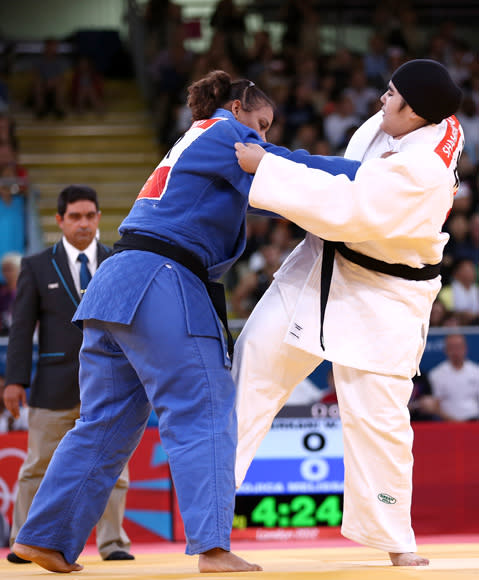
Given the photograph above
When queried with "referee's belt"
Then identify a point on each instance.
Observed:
(216, 290)
(427, 272)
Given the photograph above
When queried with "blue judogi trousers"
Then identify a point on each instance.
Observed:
(125, 370)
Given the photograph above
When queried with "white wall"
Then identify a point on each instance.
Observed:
(36, 19)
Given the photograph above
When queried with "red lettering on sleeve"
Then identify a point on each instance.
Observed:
(450, 142)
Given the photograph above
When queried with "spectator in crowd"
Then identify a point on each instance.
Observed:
(322, 147)
(284, 235)
(8, 160)
(422, 404)
(299, 110)
(49, 81)
(464, 198)
(7, 130)
(324, 94)
(462, 294)
(306, 137)
(340, 65)
(469, 119)
(455, 382)
(163, 20)
(10, 266)
(49, 289)
(9, 423)
(230, 19)
(438, 313)
(473, 85)
(361, 94)
(255, 282)
(258, 232)
(20, 229)
(340, 121)
(376, 62)
(87, 87)
(457, 225)
(460, 61)
(438, 48)
(260, 59)
(301, 20)
(12, 209)
(170, 69)
(473, 246)
(411, 33)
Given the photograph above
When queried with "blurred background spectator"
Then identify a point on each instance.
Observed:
(254, 283)
(340, 121)
(229, 18)
(455, 383)
(12, 205)
(461, 295)
(7, 422)
(49, 81)
(10, 267)
(468, 116)
(423, 406)
(87, 87)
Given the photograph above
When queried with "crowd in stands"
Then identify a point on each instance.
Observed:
(321, 98)
(60, 84)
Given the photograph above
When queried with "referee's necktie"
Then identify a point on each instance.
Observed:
(85, 274)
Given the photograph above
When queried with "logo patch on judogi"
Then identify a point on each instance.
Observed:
(386, 498)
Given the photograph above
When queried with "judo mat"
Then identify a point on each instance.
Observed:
(452, 557)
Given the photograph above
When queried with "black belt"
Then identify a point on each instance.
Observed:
(427, 272)
(186, 258)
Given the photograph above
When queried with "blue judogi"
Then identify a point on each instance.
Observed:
(152, 339)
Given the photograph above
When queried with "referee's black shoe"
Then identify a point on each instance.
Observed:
(14, 559)
(120, 555)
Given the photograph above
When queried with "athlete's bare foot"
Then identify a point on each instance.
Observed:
(408, 559)
(218, 560)
(48, 559)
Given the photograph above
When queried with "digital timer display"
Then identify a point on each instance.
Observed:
(287, 511)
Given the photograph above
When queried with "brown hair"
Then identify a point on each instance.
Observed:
(216, 89)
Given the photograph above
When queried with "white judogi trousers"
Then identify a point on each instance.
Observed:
(375, 419)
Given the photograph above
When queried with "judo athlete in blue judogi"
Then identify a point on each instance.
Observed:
(153, 340)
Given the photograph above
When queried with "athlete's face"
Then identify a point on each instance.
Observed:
(260, 119)
(399, 119)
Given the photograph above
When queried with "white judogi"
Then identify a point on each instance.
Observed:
(375, 325)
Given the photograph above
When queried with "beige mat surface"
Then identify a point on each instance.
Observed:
(448, 562)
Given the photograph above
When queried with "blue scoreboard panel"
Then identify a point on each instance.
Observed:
(296, 479)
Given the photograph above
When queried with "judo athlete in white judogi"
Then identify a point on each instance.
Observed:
(384, 280)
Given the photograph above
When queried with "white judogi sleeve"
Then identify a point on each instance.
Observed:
(393, 211)
(389, 199)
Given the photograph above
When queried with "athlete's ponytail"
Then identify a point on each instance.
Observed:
(217, 90)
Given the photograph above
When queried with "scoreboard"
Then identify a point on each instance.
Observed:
(296, 479)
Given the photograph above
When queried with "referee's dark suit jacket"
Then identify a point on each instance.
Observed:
(46, 294)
